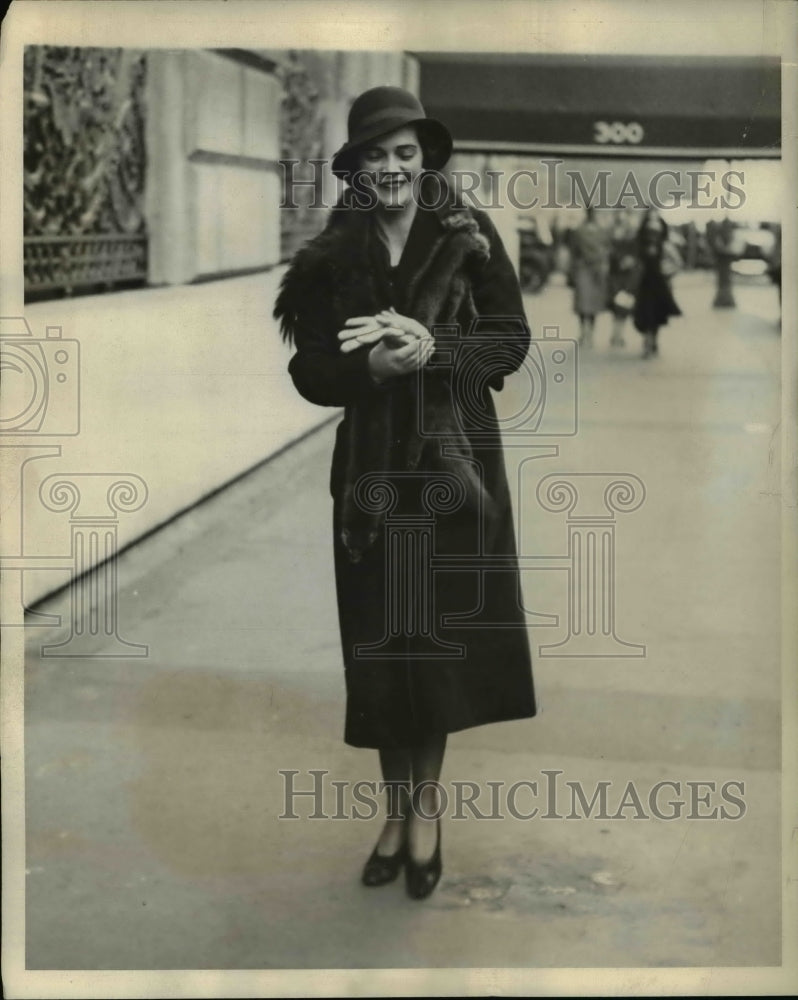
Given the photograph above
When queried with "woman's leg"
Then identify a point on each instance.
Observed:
(586, 332)
(395, 764)
(427, 760)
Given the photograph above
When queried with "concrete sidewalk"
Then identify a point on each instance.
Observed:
(153, 785)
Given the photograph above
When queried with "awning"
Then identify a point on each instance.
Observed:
(606, 105)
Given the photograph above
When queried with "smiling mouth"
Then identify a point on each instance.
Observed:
(392, 182)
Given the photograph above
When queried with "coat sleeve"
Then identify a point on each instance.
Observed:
(327, 377)
(500, 307)
(320, 372)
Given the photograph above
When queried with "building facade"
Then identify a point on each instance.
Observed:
(164, 167)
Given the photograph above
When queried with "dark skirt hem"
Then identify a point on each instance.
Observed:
(456, 728)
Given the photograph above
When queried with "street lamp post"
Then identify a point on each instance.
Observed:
(722, 246)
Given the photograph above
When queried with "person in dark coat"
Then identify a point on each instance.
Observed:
(406, 311)
(654, 301)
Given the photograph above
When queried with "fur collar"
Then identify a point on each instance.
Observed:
(331, 279)
(332, 266)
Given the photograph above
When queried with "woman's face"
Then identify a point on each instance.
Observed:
(393, 163)
(653, 219)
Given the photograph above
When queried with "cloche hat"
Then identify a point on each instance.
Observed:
(382, 110)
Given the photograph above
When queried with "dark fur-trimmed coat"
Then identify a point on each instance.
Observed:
(406, 676)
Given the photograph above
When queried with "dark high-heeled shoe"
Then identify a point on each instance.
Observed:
(380, 869)
(422, 877)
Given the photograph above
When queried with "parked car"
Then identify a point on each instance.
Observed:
(752, 250)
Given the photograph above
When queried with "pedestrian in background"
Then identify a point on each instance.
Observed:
(774, 258)
(589, 271)
(623, 273)
(363, 304)
(654, 301)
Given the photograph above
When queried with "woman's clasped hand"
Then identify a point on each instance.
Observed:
(402, 345)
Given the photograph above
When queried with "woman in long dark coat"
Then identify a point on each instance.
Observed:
(407, 315)
(654, 301)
